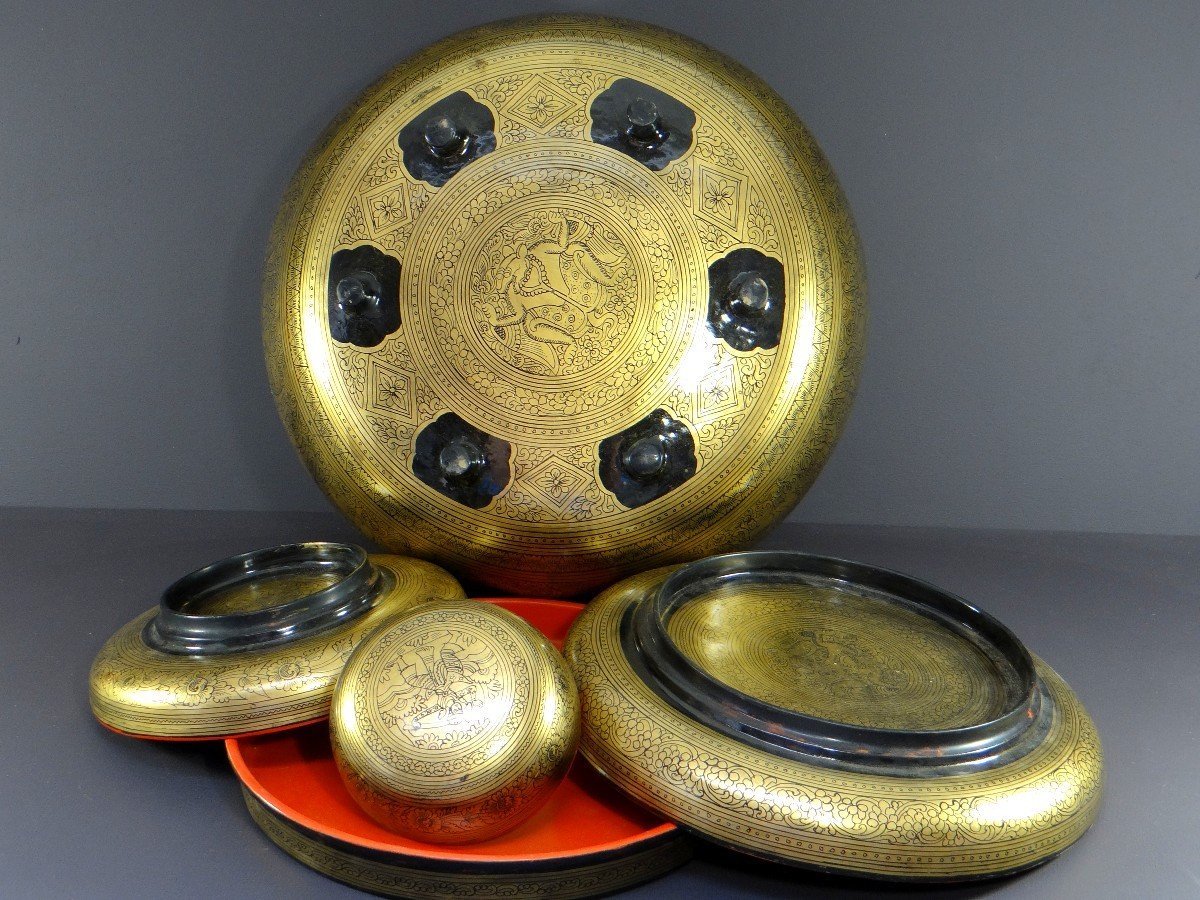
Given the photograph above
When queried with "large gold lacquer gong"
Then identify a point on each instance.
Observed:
(562, 298)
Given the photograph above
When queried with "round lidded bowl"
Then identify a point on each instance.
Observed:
(588, 839)
(831, 714)
(254, 642)
(454, 722)
(561, 298)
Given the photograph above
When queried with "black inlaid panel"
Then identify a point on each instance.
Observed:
(643, 122)
(447, 136)
(364, 296)
(457, 459)
(746, 299)
(648, 459)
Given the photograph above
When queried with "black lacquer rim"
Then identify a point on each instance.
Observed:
(174, 630)
(694, 692)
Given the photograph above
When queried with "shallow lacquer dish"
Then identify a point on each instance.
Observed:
(831, 714)
(562, 298)
(588, 839)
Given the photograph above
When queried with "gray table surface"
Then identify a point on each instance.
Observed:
(89, 814)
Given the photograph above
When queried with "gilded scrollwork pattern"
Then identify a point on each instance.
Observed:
(554, 293)
(144, 691)
(1001, 819)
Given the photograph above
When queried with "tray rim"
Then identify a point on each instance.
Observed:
(683, 682)
(595, 874)
(439, 852)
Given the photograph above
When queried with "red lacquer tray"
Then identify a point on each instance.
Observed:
(588, 839)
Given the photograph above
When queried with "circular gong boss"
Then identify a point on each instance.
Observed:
(562, 298)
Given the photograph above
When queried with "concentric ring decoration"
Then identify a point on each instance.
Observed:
(253, 643)
(589, 839)
(562, 298)
(871, 724)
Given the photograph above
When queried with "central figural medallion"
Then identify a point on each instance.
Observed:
(548, 280)
(553, 292)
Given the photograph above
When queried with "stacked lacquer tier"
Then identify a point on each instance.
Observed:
(831, 714)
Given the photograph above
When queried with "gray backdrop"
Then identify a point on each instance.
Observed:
(1024, 176)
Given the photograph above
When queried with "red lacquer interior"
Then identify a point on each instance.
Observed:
(294, 773)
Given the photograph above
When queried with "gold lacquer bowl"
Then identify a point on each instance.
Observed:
(454, 722)
(561, 298)
(254, 642)
(830, 714)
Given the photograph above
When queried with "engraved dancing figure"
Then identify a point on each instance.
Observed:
(441, 687)
(534, 284)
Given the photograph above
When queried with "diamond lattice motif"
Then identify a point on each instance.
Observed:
(541, 104)
(717, 392)
(387, 208)
(393, 392)
(720, 196)
(555, 481)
